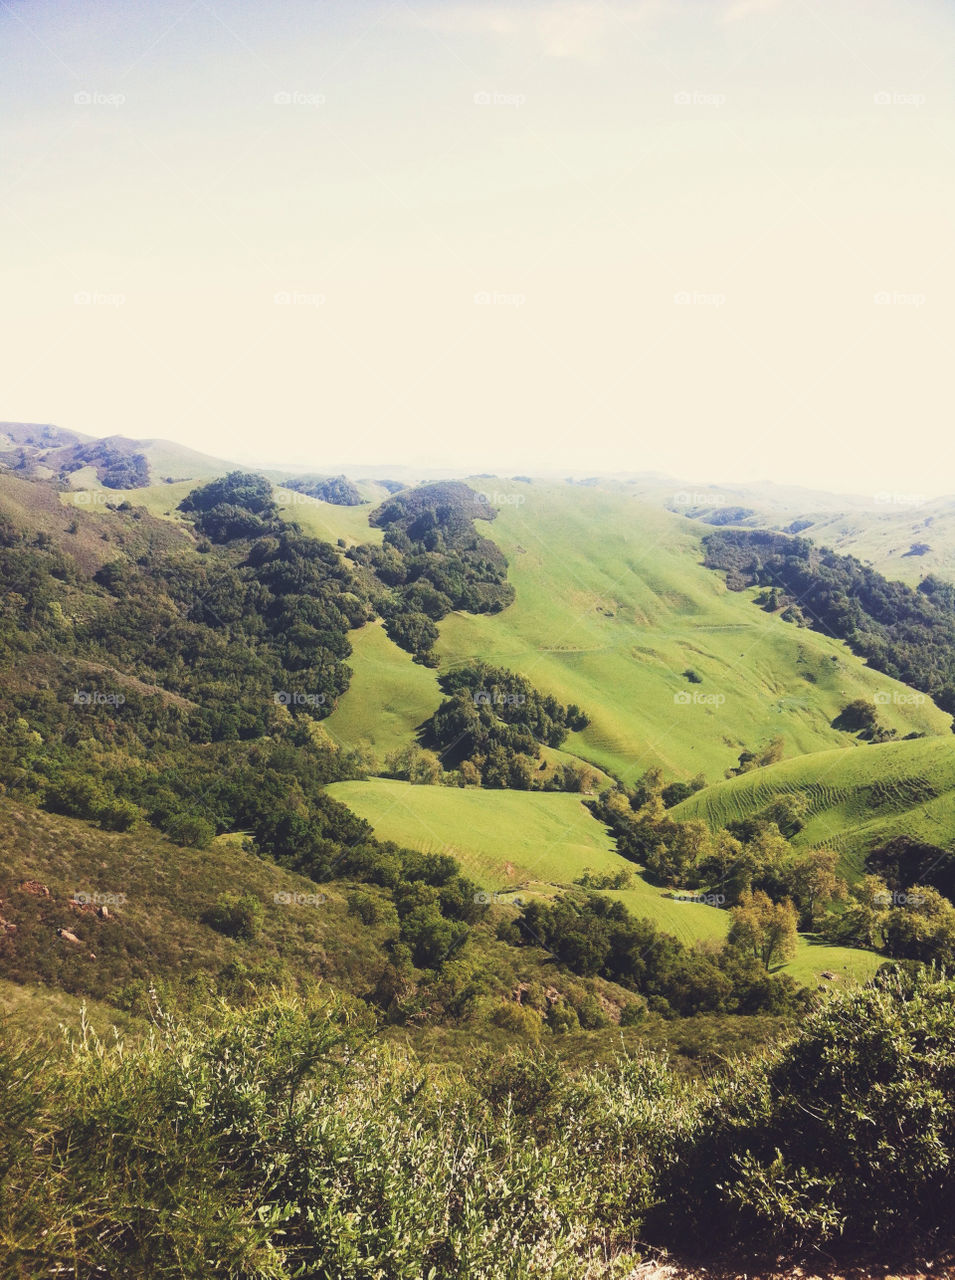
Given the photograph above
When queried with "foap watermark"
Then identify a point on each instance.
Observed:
(492, 98)
(502, 899)
(893, 98)
(685, 498)
(895, 698)
(87, 298)
(894, 498)
(697, 98)
(294, 698)
(93, 98)
(95, 698)
(284, 899)
(494, 698)
(97, 899)
(709, 899)
(896, 898)
(296, 98)
(291, 298)
(892, 298)
(687, 299)
(696, 699)
(97, 497)
(486, 298)
(503, 499)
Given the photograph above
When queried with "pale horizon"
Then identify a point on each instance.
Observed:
(709, 239)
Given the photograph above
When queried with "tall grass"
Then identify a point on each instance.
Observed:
(285, 1140)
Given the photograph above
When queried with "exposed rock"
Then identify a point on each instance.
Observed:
(35, 889)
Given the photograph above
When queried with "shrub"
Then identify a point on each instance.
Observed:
(189, 830)
(237, 916)
(848, 1133)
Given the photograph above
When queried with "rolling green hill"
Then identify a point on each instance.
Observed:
(500, 838)
(881, 529)
(613, 606)
(902, 540)
(509, 840)
(857, 798)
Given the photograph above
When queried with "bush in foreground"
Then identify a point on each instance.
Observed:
(843, 1139)
(283, 1140)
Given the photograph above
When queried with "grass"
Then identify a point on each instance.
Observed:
(613, 605)
(542, 841)
(847, 963)
(389, 695)
(500, 838)
(326, 520)
(43, 1010)
(160, 893)
(857, 797)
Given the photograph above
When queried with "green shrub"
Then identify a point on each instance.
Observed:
(237, 916)
(266, 1144)
(847, 1134)
(189, 830)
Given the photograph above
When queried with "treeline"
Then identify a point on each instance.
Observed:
(432, 560)
(597, 937)
(907, 634)
(338, 490)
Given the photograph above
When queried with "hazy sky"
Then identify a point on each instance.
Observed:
(710, 237)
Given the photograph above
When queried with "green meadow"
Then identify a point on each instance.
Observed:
(538, 842)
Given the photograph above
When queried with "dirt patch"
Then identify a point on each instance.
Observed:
(663, 1268)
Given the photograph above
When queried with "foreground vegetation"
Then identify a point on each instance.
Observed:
(284, 1139)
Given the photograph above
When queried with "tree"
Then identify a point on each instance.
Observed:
(863, 922)
(857, 717)
(414, 764)
(813, 883)
(764, 928)
(922, 927)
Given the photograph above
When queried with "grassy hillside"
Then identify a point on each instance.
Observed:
(156, 926)
(322, 519)
(510, 839)
(389, 695)
(613, 606)
(878, 528)
(500, 838)
(329, 521)
(857, 797)
(886, 536)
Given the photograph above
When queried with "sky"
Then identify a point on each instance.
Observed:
(712, 238)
